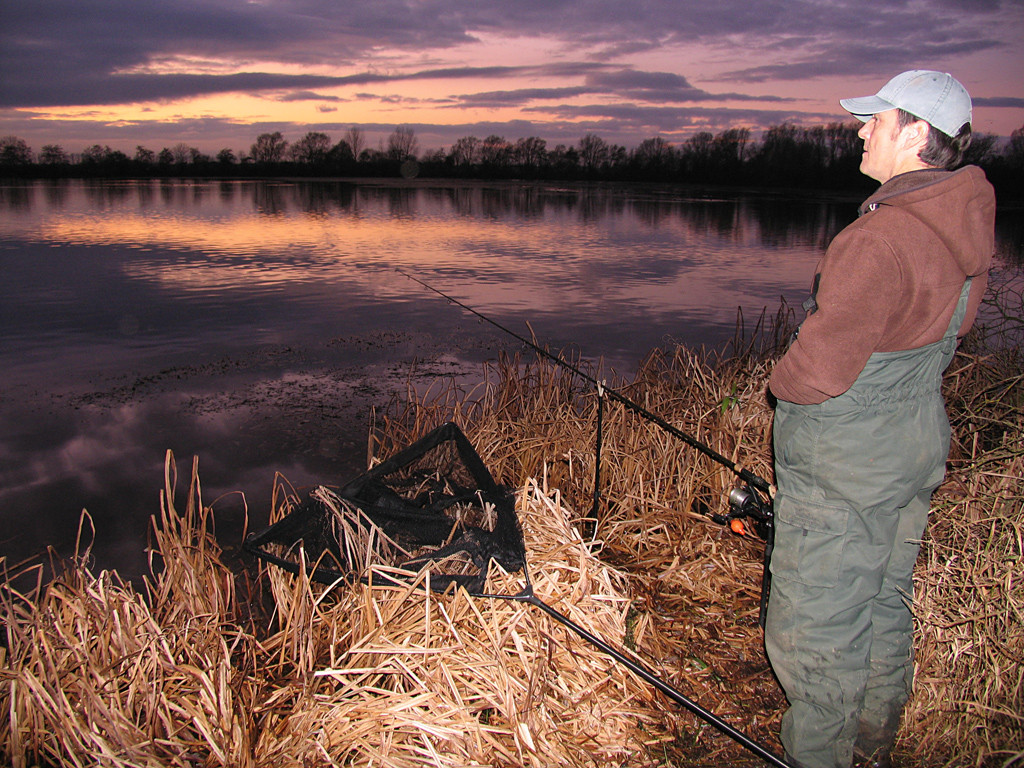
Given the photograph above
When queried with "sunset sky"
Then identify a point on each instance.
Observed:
(216, 73)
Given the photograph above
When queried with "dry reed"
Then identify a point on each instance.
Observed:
(694, 588)
(97, 673)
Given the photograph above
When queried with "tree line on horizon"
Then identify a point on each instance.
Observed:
(784, 155)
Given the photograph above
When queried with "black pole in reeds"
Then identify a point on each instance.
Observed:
(597, 454)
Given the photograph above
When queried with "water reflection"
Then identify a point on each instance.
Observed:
(256, 324)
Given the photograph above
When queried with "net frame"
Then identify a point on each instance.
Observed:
(433, 505)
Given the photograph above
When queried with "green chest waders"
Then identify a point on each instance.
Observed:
(855, 476)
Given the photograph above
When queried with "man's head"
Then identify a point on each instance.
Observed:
(929, 125)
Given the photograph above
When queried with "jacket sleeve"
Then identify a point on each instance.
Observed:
(860, 280)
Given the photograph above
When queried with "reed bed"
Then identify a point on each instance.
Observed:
(95, 672)
(183, 674)
(403, 676)
(212, 664)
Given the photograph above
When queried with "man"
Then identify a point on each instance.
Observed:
(861, 435)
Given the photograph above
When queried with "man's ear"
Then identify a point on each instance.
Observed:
(915, 135)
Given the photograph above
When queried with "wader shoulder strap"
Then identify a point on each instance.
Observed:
(959, 313)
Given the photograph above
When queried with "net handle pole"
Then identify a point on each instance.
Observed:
(744, 474)
(675, 695)
(597, 454)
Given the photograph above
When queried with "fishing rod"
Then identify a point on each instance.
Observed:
(744, 499)
(752, 501)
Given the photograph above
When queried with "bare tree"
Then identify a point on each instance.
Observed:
(843, 142)
(1015, 149)
(402, 144)
(654, 155)
(269, 148)
(311, 148)
(530, 152)
(355, 140)
(495, 150)
(593, 152)
(14, 151)
(731, 146)
(341, 154)
(433, 156)
(182, 153)
(94, 154)
(465, 151)
(53, 154)
(981, 150)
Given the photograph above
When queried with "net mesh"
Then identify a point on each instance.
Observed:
(433, 506)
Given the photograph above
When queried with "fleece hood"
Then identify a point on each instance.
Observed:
(957, 206)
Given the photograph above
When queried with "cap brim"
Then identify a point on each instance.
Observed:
(863, 107)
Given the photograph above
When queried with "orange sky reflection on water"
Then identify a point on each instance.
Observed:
(657, 258)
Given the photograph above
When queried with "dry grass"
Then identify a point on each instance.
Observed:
(95, 673)
(212, 667)
(968, 707)
(694, 586)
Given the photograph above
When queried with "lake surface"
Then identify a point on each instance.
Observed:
(255, 324)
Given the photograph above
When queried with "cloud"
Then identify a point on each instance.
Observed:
(660, 87)
(61, 52)
(674, 120)
(1011, 102)
(68, 52)
(862, 60)
(653, 87)
(553, 56)
(517, 97)
(136, 88)
(844, 39)
(308, 96)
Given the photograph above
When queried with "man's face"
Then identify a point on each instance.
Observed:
(882, 146)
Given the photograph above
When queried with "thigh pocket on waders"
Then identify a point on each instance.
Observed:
(810, 541)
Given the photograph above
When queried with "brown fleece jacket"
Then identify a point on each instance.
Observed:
(891, 280)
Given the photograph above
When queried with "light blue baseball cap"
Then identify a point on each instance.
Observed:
(938, 98)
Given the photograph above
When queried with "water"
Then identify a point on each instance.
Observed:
(255, 324)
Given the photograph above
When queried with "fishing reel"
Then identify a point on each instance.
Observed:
(746, 504)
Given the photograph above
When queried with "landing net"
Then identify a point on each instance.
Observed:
(432, 506)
